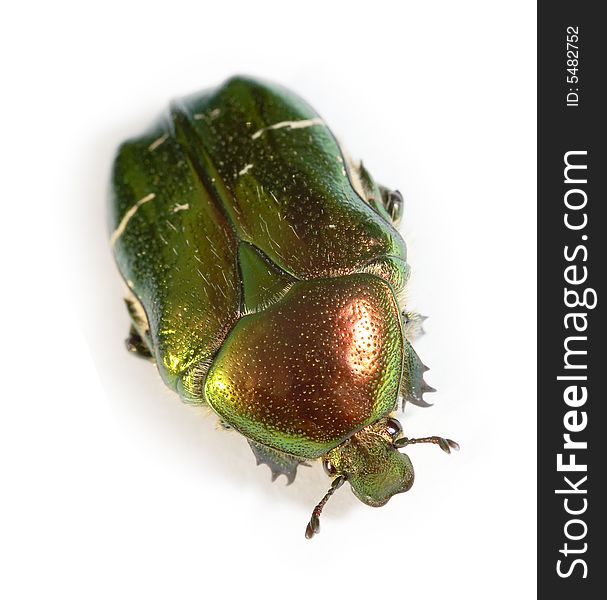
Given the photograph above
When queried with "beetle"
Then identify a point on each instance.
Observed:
(266, 280)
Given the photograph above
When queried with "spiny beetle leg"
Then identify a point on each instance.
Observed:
(135, 344)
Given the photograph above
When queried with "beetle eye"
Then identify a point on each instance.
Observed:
(329, 468)
(394, 428)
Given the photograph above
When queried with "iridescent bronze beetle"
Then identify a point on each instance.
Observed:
(266, 281)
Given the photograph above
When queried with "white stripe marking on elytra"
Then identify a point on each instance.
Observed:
(158, 142)
(245, 169)
(179, 207)
(208, 118)
(290, 124)
(128, 215)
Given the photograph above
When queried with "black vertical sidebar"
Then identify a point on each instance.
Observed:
(572, 268)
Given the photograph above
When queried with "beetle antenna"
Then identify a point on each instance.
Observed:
(314, 524)
(443, 443)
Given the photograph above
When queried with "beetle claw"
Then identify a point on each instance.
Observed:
(313, 527)
(444, 445)
(453, 445)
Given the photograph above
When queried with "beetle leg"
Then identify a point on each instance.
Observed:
(279, 462)
(413, 324)
(393, 203)
(135, 344)
(446, 445)
(139, 331)
(412, 386)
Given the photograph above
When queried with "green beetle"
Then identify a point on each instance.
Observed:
(266, 281)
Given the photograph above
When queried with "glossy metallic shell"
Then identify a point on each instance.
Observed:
(315, 366)
(240, 204)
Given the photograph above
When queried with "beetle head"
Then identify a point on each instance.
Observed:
(371, 463)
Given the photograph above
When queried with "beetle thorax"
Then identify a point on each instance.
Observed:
(322, 362)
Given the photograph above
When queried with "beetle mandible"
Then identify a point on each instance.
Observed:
(266, 279)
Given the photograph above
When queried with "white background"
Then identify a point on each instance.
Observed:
(111, 488)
